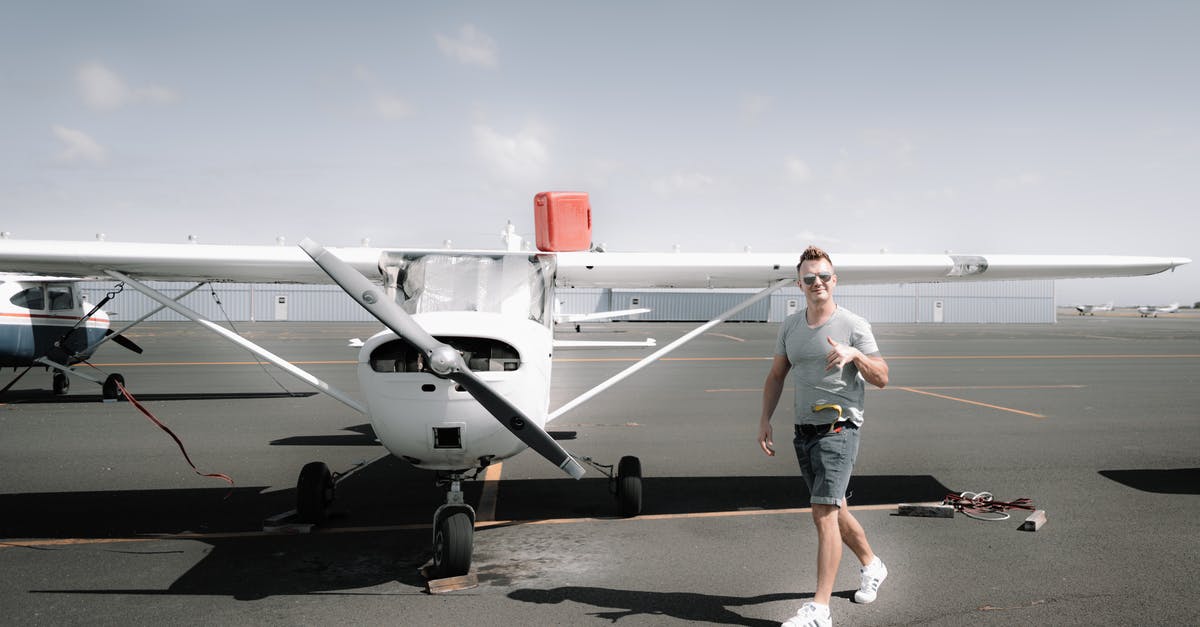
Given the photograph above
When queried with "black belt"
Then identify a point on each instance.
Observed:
(809, 431)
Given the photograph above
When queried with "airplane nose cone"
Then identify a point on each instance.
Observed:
(443, 359)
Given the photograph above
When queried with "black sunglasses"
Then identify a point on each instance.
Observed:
(809, 279)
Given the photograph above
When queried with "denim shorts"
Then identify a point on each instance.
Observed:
(826, 462)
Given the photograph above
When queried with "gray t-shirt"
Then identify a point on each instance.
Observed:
(806, 349)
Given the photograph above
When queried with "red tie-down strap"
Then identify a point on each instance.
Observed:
(983, 506)
(146, 412)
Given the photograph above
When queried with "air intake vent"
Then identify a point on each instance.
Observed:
(447, 437)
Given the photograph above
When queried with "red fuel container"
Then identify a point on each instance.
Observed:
(564, 221)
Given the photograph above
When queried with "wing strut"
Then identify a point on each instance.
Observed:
(91, 349)
(284, 364)
(649, 359)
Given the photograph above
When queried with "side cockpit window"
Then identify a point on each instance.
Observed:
(60, 297)
(30, 298)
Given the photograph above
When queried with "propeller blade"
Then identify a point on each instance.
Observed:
(515, 421)
(124, 341)
(442, 359)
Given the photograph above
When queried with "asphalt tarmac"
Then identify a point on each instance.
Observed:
(1094, 418)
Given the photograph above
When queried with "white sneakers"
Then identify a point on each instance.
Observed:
(814, 615)
(810, 615)
(873, 574)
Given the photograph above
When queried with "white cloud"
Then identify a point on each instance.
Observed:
(682, 183)
(78, 146)
(392, 107)
(797, 171)
(104, 89)
(471, 47)
(522, 155)
(385, 104)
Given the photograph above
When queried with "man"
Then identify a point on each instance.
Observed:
(831, 353)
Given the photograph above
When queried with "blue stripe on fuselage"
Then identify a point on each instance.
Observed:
(20, 344)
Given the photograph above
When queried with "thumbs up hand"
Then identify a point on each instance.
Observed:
(839, 355)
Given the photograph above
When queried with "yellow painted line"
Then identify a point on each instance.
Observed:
(969, 402)
(214, 363)
(899, 357)
(67, 542)
(420, 526)
(1131, 356)
(731, 514)
(633, 359)
(487, 497)
(999, 387)
(936, 387)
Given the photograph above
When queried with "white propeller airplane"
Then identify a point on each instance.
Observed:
(460, 378)
(46, 322)
(1148, 311)
(1090, 310)
(576, 318)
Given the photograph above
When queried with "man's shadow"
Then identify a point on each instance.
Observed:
(687, 606)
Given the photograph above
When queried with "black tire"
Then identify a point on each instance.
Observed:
(110, 386)
(314, 492)
(62, 384)
(629, 487)
(452, 546)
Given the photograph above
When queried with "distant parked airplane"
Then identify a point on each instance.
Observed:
(1149, 311)
(576, 318)
(1089, 310)
(46, 323)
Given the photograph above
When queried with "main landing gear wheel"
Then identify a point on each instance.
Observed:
(452, 546)
(61, 384)
(314, 492)
(629, 486)
(111, 392)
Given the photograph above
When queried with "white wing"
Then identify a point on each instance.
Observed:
(691, 270)
(176, 262)
(190, 262)
(288, 264)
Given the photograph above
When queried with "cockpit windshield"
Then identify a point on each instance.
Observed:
(508, 284)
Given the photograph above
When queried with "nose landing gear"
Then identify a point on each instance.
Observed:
(453, 533)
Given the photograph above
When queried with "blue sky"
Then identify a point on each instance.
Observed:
(1020, 127)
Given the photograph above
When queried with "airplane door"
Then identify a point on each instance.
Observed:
(281, 307)
(938, 310)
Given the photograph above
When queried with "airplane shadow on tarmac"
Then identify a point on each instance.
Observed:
(681, 605)
(1168, 481)
(34, 397)
(378, 529)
